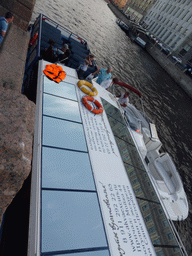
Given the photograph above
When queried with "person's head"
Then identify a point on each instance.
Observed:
(9, 17)
(91, 56)
(115, 80)
(109, 70)
(65, 47)
(126, 94)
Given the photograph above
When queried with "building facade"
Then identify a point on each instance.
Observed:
(136, 9)
(120, 3)
(171, 22)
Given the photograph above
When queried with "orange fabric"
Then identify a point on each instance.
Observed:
(33, 39)
(54, 72)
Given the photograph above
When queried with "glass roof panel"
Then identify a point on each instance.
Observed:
(62, 89)
(95, 253)
(63, 134)
(61, 108)
(71, 220)
(65, 169)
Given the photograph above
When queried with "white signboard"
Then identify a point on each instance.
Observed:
(125, 228)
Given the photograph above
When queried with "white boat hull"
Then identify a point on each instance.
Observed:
(161, 168)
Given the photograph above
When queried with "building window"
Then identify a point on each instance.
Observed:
(135, 181)
(176, 25)
(145, 207)
(190, 61)
(179, 30)
(157, 241)
(176, 11)
(167, 22)
(148, 218)
(185, 15)
(138, 190)
(171, 9)
(173, 45)
(160, 254)
(176, 249)
(188, 19)
(185, 49)
(170, 236)
(179, 14)
(151, 230)
(165, 31)
(132, 173)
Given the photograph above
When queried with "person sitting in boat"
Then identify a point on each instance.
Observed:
(92, 75)
(63, 54)
(108, 83)
(84, 66)
(123, 99)
(48, 54)
(104, 74)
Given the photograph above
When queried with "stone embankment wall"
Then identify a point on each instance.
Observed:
(179, 77)
(119, 14)
(17, 112)
(176, 73)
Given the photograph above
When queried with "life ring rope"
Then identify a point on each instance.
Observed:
(82, 86)
(85, 100)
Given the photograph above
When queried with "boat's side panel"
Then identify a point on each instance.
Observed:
(34, 218)
(122, 217)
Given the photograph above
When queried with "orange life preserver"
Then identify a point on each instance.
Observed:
(81, 40)
(33, 39)
(54, 72)
(85, 100)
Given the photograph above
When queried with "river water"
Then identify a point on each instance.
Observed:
(164, 101)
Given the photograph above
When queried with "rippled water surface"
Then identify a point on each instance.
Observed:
(164, 101)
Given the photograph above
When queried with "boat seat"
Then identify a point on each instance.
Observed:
(51, 32)
(150, 137)
(77, 44)
(164, 172)
(73, 63)
(57, 40)
(83, 53)
(48, 27)
(77, 58)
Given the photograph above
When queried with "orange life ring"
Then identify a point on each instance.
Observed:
(85, 100)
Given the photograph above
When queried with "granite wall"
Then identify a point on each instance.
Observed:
(17, 113)
(21, 9)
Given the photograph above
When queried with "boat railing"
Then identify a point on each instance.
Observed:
(34, 52)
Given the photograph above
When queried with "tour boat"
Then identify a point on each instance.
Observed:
(91, 190)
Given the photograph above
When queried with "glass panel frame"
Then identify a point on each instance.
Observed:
(61, 108)
(63, 89)
(63, 169)
(63, 134)
(70, 221)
